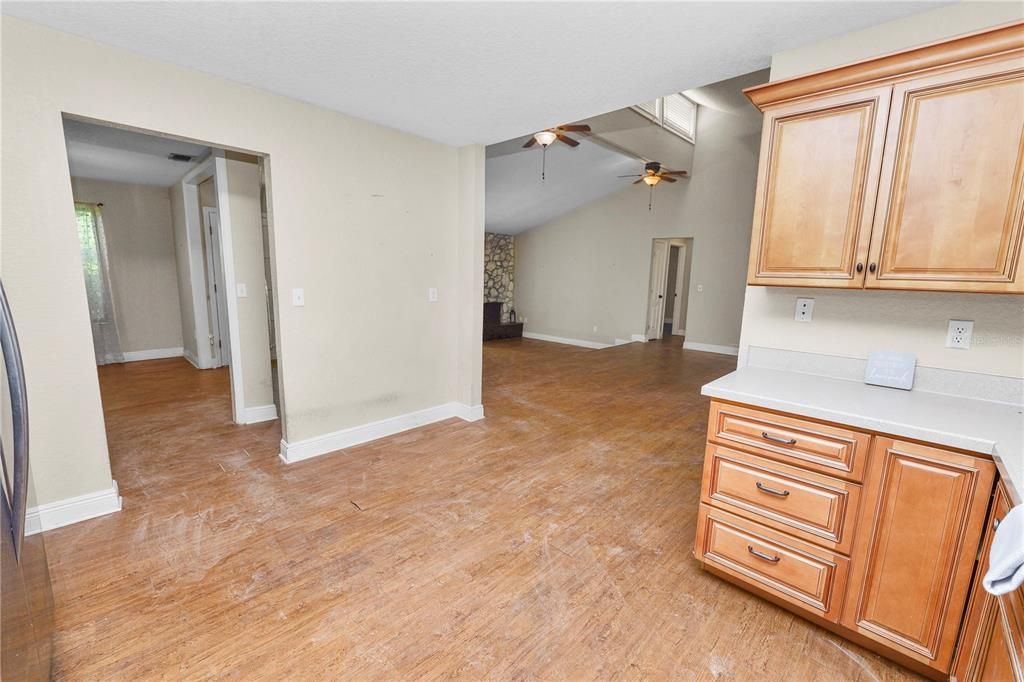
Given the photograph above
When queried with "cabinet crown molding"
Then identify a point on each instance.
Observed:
(1000, 40)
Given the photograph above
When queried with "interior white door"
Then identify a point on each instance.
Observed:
(656, 291)
(679, 304)
(216, 294)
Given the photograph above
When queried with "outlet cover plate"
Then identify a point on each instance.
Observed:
(959, 333)
(804, 310)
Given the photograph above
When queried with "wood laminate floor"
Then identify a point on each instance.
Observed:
(549, 541)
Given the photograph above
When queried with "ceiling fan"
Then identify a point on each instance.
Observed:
(546, 138)
(652, 175)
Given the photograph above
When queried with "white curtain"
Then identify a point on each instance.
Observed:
(105, 338)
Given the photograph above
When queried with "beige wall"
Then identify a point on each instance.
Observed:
(857, 322)
(186, 310)
(354, 244)
(591, 267)
(143, 267)
(243, 188)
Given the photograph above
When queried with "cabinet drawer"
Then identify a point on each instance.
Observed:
(819, 447)
(811, 506)
(800, 573)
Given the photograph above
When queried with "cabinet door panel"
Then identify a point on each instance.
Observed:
(984, 652)
(915, 552)
(817, 180)
(950, 213)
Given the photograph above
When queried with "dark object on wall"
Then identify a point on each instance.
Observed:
(512, 315)
(493, 327)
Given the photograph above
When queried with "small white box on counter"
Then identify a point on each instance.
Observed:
(891, 368)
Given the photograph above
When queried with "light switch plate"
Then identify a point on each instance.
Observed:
(804, 310)
(241, 289)
(298, 297)
(891, 368)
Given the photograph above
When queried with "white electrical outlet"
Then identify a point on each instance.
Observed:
(804, 310)
(595, 328)
(432, 294)
(700, 288)
(298, 297)
(959, 334)
(241, 290)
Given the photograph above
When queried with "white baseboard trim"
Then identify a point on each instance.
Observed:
(711, 348)
(72, 510)
(192, 359)
(356, 435)
(569, 342)
(642, 338)
(260, 413)
(469, 413)
(153, 354)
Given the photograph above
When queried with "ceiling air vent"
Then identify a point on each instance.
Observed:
(179, 157)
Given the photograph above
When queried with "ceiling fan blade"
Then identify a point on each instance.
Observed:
(637, 182)
(568, 140)
(667, 178)
(529, 143)
(575, 128)
(679, 173)
(631, 176)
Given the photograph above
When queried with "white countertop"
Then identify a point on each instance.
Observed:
(989, 428)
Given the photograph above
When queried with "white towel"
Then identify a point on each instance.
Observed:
(1006, 557)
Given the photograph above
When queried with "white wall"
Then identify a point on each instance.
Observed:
(243, 190)
(354, 243)
(141, 253)
(591, 267)
(856, 322)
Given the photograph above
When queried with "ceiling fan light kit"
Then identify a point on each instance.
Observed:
(546, 138)
(652, 175)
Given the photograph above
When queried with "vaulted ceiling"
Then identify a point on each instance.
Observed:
(465, 72)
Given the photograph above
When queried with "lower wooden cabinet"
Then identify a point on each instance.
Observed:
(914, 558)
(990, 650)
(892, 560)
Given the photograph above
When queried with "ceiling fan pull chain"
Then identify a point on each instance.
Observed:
(650, 198)
(544, 164)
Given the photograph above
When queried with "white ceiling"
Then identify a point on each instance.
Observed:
(466, 72)
(105, 153)
(517, 200)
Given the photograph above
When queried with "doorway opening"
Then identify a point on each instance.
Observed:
(668, 291)
(176, 255)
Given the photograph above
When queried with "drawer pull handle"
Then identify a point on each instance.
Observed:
(762, 555)
(771, 491)
(776, 439)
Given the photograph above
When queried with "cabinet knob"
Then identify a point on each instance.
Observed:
(872, 268)
(860, 267)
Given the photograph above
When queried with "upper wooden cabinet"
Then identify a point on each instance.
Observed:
(818, 176)
(902, 172)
